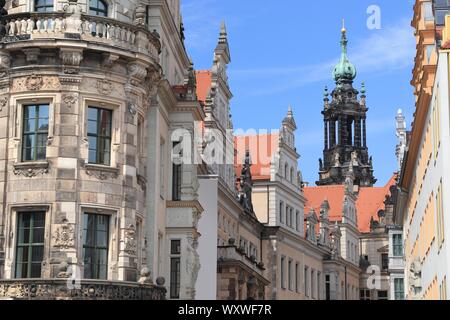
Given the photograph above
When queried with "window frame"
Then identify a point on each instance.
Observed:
(96, 246)
(30, 244)
(44, 6)
(97, 10)
(36, 133)
(175, 263)
(98, 135)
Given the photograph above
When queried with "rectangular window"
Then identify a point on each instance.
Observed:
(162, 167)
(175, 269)
(297, 277)
(384, 261)
(327, 287)
(290, 274)
(399, 289)
(428, 11)
(99, 135)
(382, 295)
(313, 284)
(30, 244)
(440, 216)
(35, 132)
(140, 137)
(281, 212)
(176, 172)
(364, 294)
(282, 273)
(297, 221)
(95, 246)
(43, 5)
(319, 289)
(397, 245)
(306, 282)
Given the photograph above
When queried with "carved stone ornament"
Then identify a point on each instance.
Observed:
(71, 60)
(64, 236)
(137, 72)
(130, 241)
(102, 174)
(30, 172)
(3, 102)
(69, 100)
(34, 82)
(104, 87)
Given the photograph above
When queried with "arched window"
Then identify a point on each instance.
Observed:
(98, 8)
(292, 175)
(43, 5)
(286, 171)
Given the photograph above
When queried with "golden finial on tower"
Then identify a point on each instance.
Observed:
(343, 30)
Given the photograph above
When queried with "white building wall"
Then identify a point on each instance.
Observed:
(206, 286)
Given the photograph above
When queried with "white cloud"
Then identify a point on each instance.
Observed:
(384, 51)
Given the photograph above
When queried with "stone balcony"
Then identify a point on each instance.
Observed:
(63, 289)
(232, 253)
(62, 26)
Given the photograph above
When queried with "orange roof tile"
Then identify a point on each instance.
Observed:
(262, 148)
(370, 201)
(203, 84)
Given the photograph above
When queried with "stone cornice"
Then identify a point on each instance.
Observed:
(194, 204)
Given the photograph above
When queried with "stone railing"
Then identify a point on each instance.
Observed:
(232, 253)
(61, 289)
(45, 25)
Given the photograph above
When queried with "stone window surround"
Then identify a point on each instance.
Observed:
(114, 236)
(11, 231)
(116, 130)
(19, 101)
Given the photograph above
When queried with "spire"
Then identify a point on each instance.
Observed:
(222, 48)
(344, 70)
(289, 119)
(223, 33)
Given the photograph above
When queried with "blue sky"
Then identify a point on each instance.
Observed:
(283, 53)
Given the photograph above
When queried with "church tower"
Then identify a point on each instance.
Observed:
(345, 137)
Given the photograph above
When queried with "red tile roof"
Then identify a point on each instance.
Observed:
(370, 201)
(262, 148)
(203, 84)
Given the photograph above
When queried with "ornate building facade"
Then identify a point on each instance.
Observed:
(88, 107)
(422, 205)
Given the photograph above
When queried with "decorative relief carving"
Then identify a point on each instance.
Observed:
(137, 72)
(71, 60)
(30, 170)
(104, 87)
(64, 236)
(101, 173)
(69, 100)
(130, 240)
(3, 102)
(192, 264)
(36, 82)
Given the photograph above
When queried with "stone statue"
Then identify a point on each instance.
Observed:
(192, 83)
(349, 184)
(415, 277)
(246, 185)
(337, 159)
(63, 269)
(354, 159)
(146, 277)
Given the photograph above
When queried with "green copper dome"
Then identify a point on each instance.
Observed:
(344, 70)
